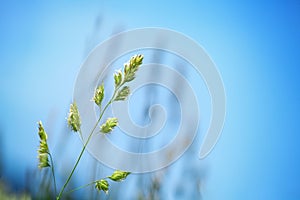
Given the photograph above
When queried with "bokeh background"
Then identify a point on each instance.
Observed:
(255, 45)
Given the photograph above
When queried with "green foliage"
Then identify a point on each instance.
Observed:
(5, 193)
(74, 118)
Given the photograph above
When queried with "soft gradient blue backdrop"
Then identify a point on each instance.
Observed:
(255, 44)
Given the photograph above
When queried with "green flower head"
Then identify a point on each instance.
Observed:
(123, 94)
(43, 148)
(74, 118)
(102, 185)
(109, 125)
(118, 78)
(119, 175)
(99, 94)
(132, 66)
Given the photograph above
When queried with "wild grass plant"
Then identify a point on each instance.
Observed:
(121, 93)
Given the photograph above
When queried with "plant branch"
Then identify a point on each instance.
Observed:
(86, 143)
(80, 187)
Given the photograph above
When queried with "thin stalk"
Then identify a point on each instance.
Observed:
(52, 170)
(86, 143)
(80, 133)
(83, 186)
(78, 159)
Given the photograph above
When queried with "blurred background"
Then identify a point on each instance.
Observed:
(254, 44)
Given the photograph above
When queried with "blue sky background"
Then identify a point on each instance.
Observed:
(255, 45)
